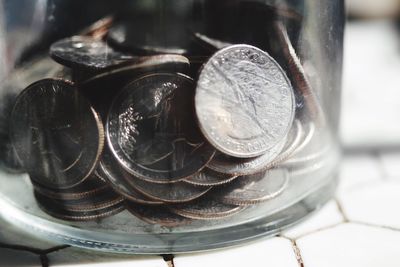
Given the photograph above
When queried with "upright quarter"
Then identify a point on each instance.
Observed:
(244, 101)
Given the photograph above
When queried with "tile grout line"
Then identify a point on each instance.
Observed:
(297, 253)
(318, 230)
(54, 249)
(376, 226)
(341, 210)
(39, 252)
(44, 260)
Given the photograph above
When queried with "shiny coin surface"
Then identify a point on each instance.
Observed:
(208, 177)
(57, 135)
(157, 215)
(86, 52)
(244, 101)
(151, 130)
(253, 189)
(147, 36)
(244, 166)
(169, 193)
(113, 173)
(206, 209)
(293, 141)
(307, 138)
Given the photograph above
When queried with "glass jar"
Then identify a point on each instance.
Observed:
(157, 126)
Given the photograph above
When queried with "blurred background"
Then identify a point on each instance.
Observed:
(371, 93)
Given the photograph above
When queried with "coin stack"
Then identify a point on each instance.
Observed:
(140, 121)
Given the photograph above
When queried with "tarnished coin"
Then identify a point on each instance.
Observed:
(253, 189)
(149, 36)
(169, 193)
(157, 215)
(206, 209)
(63, 214)
(208, 177)
(96, 202)
(57, 135)
(150, 129)
(90, 187)
(244, 101)
(245, 166)
(110, 171)
(86, 52)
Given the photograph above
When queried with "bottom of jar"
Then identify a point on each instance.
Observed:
(153, 240)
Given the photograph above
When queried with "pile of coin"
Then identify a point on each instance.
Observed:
(146, 124)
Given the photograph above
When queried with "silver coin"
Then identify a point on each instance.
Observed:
(293, 141)
(96, 202)
(310, 133)
(86, 52)
(56, 133)
(244, 101)
(169, 193)
(208, 177)
(151, 131)
(244, 166)
(157, 215)
(206, 209)
(143, 65)
(253, 189)
(110, 171)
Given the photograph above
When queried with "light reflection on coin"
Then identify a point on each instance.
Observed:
(152, 117)
(244, 101)
(170, 193)
(86, 52)
(244, 166)
(208, 177)
(253, 189)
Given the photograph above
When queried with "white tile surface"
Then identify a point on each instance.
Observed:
(327, 216)
(376, 204)
(270, 252)
(10, 258)
(391, 164)
(350, 245)
(78, 257)
(370, 103)
(357, 170)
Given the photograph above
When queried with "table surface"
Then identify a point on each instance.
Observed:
(360, 227)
